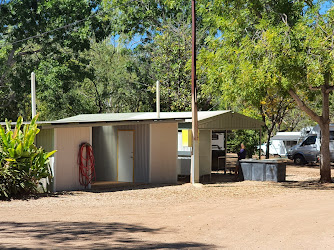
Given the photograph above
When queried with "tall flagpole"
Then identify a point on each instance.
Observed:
(195, 149)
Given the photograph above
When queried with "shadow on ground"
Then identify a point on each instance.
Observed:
(96, 188)
(87, 235)
(311, 165)
(311, 184)
(119, 186)
(308, 185)
(218, 177)
(37, 196)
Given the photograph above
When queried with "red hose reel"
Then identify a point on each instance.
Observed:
(86, 164)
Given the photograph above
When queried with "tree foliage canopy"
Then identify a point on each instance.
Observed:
(282, 47)
(43, 33)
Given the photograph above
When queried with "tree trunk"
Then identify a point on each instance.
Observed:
(10, 63)
(323, 121)
(325, 161)
(325, 157)
(267, 147)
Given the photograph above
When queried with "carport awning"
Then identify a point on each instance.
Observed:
(229, 121)
(224, 120)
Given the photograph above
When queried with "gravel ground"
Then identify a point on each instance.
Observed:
(296, 214)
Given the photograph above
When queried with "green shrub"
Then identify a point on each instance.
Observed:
(250, 138)
(22, 164)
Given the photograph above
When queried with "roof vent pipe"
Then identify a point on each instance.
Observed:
(158, 99)
(33, 95)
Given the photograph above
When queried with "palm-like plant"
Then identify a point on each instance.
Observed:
(22, 164)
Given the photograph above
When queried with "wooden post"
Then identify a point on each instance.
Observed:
(33, 95)
(195, 148)
(158, 99)
(225, 147)
(260, 139)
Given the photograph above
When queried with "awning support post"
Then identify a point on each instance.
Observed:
(260, 139)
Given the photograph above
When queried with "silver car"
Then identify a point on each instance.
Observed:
(305, 151)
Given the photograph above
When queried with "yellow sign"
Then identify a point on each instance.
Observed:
(187, 139)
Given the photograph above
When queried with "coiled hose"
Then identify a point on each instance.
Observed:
(86, 164)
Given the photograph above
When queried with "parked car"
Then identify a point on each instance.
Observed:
(308, 149)
(305, 151)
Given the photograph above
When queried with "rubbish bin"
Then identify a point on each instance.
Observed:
(264, 170)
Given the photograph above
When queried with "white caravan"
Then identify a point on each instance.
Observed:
(281, 143)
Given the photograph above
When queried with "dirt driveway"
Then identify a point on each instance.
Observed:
(297, 214)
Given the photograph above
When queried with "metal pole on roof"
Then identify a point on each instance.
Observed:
(194, 172)
(158, 99)
(33, 95)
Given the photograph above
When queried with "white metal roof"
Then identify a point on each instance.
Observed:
(223, 119)
(140, 116)
(215, 120)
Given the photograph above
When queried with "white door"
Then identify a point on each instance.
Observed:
(125, 156)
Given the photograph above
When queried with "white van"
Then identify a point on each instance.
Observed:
(308, 149)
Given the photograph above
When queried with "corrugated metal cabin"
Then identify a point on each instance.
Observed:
(131, 147)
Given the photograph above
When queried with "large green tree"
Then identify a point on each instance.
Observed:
(239, 73)
(118, 83)
(308, 50)
(163, 28)
(36, 34)
(166, 60)
(145, 17)
(292, 42)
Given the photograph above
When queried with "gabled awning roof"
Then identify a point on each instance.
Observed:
(229, 120)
